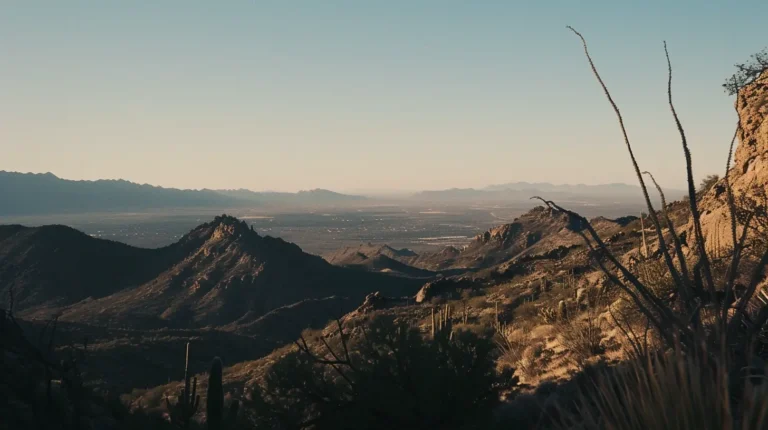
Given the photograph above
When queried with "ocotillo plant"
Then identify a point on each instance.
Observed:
(214, 404)
(186, 406)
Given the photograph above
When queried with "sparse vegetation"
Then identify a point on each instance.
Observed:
(42, 390)
(387, 377)
(707, 183)
(747, 72)
(183, 411)
(710, 342)
(583, 338)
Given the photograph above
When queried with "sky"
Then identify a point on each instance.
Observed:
(364, 95)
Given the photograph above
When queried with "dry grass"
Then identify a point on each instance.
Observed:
(524, 352)
(671, 391)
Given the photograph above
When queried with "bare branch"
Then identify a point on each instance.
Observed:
(668, 317)
(344, 342)
(706, 268)
(336, 363)
(737, 251)
(651, 212)
(685, 288)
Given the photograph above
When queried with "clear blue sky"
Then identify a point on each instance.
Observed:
(352, 95)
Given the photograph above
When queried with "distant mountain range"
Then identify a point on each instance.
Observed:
(45, 193)
(316, 196)
(515, 191)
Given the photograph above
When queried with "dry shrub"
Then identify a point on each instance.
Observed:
(521, 352)
(535, 358)
(527, 311)
(478, 302)
(583, 339)
(655, 275)
(512, 346)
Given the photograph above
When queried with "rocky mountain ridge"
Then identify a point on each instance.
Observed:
(214, 275)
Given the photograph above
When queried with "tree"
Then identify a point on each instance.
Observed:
(747, 72)
(389, 377)
(708, 183)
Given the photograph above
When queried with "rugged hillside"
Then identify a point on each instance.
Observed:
(356, 254)
(214, 275)
(233, 292)
(53, 266)
(232, 273)
(749, 174)
(540, 277)
(383, 259)
(532, 235)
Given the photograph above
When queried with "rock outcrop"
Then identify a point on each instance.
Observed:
(442, 286)
(748, 175)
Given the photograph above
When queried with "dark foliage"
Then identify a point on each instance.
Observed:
(390, 377)
(708, 183)
(39, 389)
(746, 73)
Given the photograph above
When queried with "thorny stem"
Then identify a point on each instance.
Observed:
(651, 211)
(691, 186)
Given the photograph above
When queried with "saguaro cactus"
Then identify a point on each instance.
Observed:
(186, 406)
(433, 322)
(214, 404)
(644, 252)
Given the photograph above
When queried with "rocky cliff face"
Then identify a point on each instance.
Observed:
(748, 175)
(751, 157)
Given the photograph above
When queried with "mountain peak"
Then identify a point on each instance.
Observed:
(229, 226)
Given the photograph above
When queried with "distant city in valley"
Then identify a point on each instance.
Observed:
(318, 221)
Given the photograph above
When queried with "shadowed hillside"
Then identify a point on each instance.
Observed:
(216, 274)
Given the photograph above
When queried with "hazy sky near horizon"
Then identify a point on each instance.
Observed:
(363, 95)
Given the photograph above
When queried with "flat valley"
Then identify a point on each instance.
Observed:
(420, 228)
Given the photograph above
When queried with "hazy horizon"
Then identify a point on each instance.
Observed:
(359, 191)
(347, 96)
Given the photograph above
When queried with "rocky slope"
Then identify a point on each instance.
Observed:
(531, 236)
(230, 273)
(383, 258)
(53, 266)
(748, 175)
(220, 273)
(222, 283)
